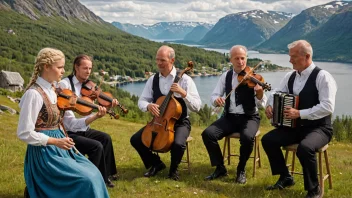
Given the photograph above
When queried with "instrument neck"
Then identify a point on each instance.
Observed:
(79, 101)
(163, 106)
(105, 97)
(257, 81)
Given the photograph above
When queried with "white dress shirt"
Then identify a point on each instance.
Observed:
(219, 91)
(31, 104)
(70, 121)
(192, 98)
(326, 86)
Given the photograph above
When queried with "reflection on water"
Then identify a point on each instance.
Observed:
(342, 72)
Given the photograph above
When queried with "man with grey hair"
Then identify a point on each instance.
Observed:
(240, 115)
(316, 89)
(185, 92)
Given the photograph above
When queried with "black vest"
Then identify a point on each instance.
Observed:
(309, 97)
(243, 95)
(70, 77)
(157, 94)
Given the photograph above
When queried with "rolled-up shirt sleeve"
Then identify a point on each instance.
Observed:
(74, 124)
(30, 105)
(262, 102)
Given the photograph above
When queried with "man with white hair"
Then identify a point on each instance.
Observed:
(240, 114)
(316, 89)
(186, 93)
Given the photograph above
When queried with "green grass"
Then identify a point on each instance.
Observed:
(131, 169)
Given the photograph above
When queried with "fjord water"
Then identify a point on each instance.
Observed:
(342, 72)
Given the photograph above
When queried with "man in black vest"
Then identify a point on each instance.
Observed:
(185, 93)
(240, 115)
(96, 144)
(316, 89)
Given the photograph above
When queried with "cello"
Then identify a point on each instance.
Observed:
(158, 134)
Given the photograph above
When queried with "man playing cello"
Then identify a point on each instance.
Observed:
(185, 92)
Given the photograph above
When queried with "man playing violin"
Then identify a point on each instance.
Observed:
(240, 115)
(96, 144)
(316, 89)
(186, 94)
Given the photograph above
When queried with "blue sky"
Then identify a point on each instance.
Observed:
(209, 11)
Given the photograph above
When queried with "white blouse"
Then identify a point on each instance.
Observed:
(31, 104)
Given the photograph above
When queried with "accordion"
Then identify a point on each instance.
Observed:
(282, 100)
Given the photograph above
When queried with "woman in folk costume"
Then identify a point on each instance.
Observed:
(51, 167)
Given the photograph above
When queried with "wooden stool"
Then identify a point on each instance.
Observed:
(322, 177)
(256, 157)
(189, 139)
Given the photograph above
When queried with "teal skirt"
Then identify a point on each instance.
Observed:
(53, 172)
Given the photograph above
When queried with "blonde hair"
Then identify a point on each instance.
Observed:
(46, 56)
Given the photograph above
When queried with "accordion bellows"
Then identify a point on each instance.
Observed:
(282, 100)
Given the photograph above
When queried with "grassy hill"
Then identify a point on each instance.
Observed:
(132, 183)
(113, 50)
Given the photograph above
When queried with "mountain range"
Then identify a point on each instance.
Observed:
(246, 28)
(166, 30)
(328, 27)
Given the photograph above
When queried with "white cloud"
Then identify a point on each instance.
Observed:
(153, 11)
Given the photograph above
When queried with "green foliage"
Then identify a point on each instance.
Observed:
(342, 127)
(5, 92)
(113, 51)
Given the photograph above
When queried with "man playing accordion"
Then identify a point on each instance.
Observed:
(316, 89)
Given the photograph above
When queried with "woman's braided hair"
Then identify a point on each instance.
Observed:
(46, 56)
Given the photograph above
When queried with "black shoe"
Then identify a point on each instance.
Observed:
(109, 184)
(282, 183)
(316, 193)
(241, 177)
(114, 177)
(154, 170)
(220, 171)
(174, 175)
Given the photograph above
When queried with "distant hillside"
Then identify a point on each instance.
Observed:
(246, 28)
(328, 27)
(113, 50)
(67, 9)
(333, 40)
(162, 30)
(198, 33)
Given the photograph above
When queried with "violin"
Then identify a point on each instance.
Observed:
(92, 91)
(67, 100)
(251, 79)
(158, 135)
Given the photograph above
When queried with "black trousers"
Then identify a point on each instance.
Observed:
(98, 146)
(310, 140)
(182, 130)
(246, 125)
